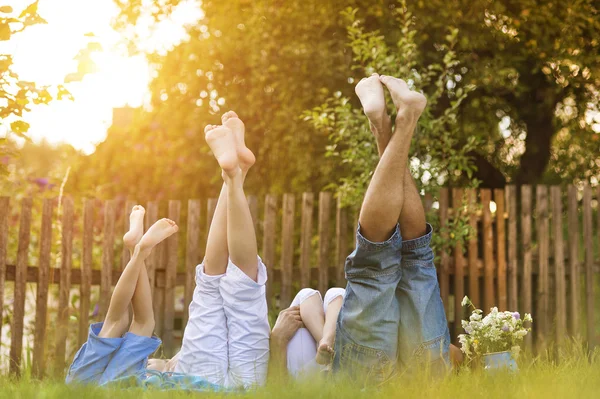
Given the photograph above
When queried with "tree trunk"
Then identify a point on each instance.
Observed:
(534, 161)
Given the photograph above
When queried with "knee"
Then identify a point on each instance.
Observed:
(303, 295)
(333, 294)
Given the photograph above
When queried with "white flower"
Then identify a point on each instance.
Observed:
(465, 301)
(528, 317)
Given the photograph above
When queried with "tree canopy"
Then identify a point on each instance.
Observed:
(526, 73)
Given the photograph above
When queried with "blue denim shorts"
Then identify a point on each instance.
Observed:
(392, 312)
(101, 360)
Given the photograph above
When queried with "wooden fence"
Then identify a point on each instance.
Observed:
(522, 257)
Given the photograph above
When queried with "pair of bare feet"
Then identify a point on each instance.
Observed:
(227, 143)
(409, 105)
(158, 232)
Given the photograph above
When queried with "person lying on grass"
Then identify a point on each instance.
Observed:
(115, 348)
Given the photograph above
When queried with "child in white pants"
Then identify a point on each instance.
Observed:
(226, 340)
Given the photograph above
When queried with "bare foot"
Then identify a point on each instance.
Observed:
(324, 353)
(245, 156)
(136, 227)
(222, 143)
(370, 93)
(158, 232)
(407, 102)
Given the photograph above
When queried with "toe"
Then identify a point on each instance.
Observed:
(228, 115)
(208, 128)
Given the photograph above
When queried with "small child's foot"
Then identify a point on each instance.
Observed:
(245, 156)
(324, 353)
(158, 232)
(221, 141)
(136, 227)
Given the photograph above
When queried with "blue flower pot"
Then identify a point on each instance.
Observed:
(499, 361)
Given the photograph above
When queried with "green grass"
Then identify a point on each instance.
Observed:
(576, 376)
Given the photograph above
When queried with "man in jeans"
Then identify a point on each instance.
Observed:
(392, 312)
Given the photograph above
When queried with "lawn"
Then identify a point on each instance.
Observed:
(575, 376)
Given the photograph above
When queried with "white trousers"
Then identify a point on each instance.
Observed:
(302, 348)
(226, 340)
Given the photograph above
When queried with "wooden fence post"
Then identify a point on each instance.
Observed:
(108, 243)
(588, 234)
(459, 266)
(306, 235)
(287, 249)
(324, 240)
(543, 288)
(559, 265)
(126, 214)
(527, 256)
(511, 201)
(574, 271)
(41, 303)
(16, 336)
(4, 214)
(445, 258)
(488, 251)
(170, 280)
(192, 254)
(501, 249)
(86, 270)
(66, 264)
(268, 245)
(341, 242)
(473, 250)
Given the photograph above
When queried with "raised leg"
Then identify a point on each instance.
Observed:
(331, 307)
(124, 289)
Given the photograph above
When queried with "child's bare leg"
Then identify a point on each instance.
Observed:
(141, 302)
(313, 317)
(241, 237)
(217, 253)
(332, 310)
(125, 287)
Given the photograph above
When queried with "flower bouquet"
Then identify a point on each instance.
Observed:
(496, 337)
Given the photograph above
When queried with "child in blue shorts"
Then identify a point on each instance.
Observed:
(116, 348)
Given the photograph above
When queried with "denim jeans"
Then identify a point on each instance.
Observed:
(392, 312)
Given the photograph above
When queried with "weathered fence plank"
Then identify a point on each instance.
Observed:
(341, 242)
(108, 243)
(473, 249)
(64, 289)
(4, 214)
(526, 304)
(170, 280)
(559, 265)
(542, 322)
(268, 244)
(86, 270)
(501, 249)
(192, 254)
(324, 240)
(287, 249)
(150, 218)
(588, 234)
(574, 272)
(306, 235)
(488, 251)
(511, 200)
(445, 258)
(41, 302)
(16, 330)
(125, 256)
(459, 270)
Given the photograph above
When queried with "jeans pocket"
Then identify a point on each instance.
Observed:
(367, 366)
(433, 352)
